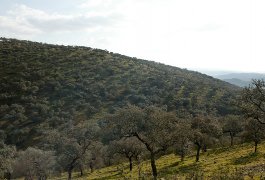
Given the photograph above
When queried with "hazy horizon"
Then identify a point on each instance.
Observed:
(208, 36)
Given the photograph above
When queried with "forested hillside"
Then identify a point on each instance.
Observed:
(46, 85)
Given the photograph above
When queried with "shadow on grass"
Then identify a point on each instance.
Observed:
(177, 167)
(245, 159)
(113, 176)
(172, 165)
(189, 168)
(220, 150)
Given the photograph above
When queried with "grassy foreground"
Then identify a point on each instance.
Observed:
(238, 162)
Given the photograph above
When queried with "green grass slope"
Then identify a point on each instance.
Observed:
(46, 85)
(238, 162)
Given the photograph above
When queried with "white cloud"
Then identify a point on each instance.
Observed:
(16, 25)
(102, 4)
(23, 19)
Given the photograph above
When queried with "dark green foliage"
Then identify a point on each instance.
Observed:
(34, 164)
(206, 131)
(7, 156)
(44, 84)
(72, 144)
(254, 132)
(153, 127)
(233, 125)
(129, 148)
(183, 135)
(252, 101)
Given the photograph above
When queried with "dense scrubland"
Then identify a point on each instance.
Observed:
(78, 112)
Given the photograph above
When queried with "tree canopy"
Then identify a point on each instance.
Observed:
(253, 101)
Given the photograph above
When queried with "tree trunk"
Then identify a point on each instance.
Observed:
(182, 156)
(204, 149)
(131, 165)
(29, 176)
(81, 171)
(7, 175)
(70, 169)
(198, 152)
(139, 167)
(256, 147)
(153, 164)
(232, 139)
(42, 177)
(91, 167)
(109, 162)
(69, 174)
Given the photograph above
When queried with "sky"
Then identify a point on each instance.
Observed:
(205, 35)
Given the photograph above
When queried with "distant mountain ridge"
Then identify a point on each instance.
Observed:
(44, 85)
(240, 79)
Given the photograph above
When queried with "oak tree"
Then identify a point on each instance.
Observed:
(152, 126)
(255, 132)
(72, 143)
(252, 101)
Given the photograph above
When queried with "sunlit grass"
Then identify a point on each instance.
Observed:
(225, 160)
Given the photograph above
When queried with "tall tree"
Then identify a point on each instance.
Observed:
(7, 156)
(233, 125)
(72, 143)
(206, 130)
(152, 126)
(253, 101)
(131, 148)
(95, 160)
(255, 132)
(34, 164)
(183, 138)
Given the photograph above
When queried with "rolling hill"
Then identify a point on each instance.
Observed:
(240, 79)
(46, 85)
